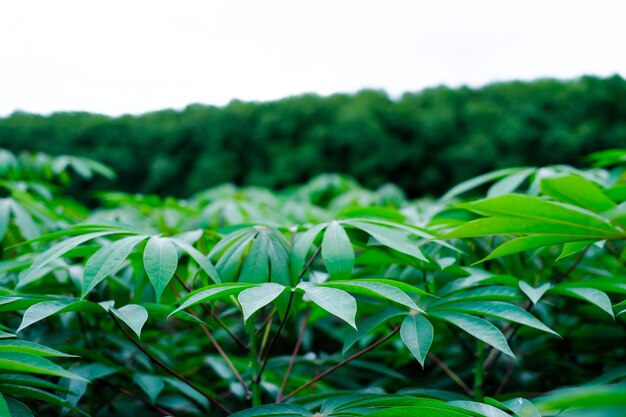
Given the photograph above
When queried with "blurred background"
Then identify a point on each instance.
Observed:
(177, 97)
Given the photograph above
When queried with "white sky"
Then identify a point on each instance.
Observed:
(133, 56)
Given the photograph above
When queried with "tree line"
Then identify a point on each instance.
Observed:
(424, 141)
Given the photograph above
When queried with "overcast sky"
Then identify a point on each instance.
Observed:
(133, 56)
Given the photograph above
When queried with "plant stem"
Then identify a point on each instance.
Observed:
(169, 370)
(451, 374)
(340, 364)
(294, 355)
(266, 355)
(213, 316)
(479, 375)
(219, 349)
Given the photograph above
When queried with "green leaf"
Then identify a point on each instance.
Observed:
(482, 409)
(24, 221)
(255, 298)
(256, 268)
(107, 261)
(133, 315)
(18, 409)
(370, 324)
(534, 293)
(46, 309)
(201, 260)
(4, 408)
(5, 213)
(54, 253)
(417, 335)
(160, 260)
(211, 292)
(499, 309)
(337, 302)
(534, 208)
(477, 327)
(275, 410)
(39, 394)
(477, 182)
(152, 385)
(509, 183)
(570, 248)
(591, 295)
(228, 265)
(31, 348)
(374, 289)
(525, 243)
(576, 190)
(337, 251)
(23, 362)
(395, 239)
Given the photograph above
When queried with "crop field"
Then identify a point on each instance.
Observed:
(502, 297)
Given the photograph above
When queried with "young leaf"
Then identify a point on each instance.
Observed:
(255, 298)
(256, 268)
(152, 385)
(417, 335)
(374, 289)
(337, 251)
(46, 309)
(107, 261)
(133, 315)
(160, 260)
(337, 302)
(534, 293)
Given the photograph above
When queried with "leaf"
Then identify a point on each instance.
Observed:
(160, 260)
(337, 251)
(534, 294)
(46, 309)
(534, 208)
(275, 410)
(570, 248)
(228, 265)
(133, 315)
(477, 182)
(525, 243)
(509, 183)
(107, 261)
(152, 385)
(41, 395)
(211, 292)
(370, 324)
(477, 327)
(256, 268)
(55, 252)
(499, 309)
(5, 213)
(591, 295)
(23, 362)
(576, 190)
(417, 335)
(201, 260)
(374, 289)
(394, 239)
(23, 346)
(301, 248)
(255, 298)
(24, 222)
(18, 409)
(337, 302)
(4, 408)
(483, 409)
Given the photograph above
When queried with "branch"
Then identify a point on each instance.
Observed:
(340, 364)
(451, 374)
(169, 370)
(294, 355)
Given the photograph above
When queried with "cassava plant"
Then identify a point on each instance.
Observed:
(321, 300)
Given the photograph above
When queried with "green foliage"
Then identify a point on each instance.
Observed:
(426, 142)
(324, 300)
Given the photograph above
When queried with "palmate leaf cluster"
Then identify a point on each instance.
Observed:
(326, 299)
